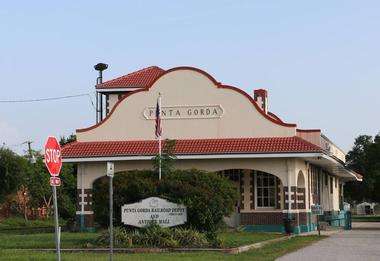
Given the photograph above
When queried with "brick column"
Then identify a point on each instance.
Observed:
(278, 193)
(252, 190)
(85, 213)
(241, 191)
(292, 197)
(301, 198)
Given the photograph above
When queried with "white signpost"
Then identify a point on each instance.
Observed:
(317, 210)
(154, 210)
(110, 174)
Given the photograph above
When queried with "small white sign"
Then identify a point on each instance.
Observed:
(154, 210)
(110, 169)
(55, 181)
(316, 210)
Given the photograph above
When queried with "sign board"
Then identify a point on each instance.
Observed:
(55, 181)
(316, 210)
(154, 210)
(213, 111)
(110, 169)
(53, 156)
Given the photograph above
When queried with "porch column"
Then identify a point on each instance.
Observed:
(290, 192)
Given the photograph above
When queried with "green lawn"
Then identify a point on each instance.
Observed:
(269, 252)
(79, 240)
(68, 240)
(366, 218)
(233, 239)
(18, 222)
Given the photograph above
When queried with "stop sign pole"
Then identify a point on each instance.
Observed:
(53, 162)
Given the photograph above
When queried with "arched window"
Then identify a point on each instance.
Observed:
(265, 189)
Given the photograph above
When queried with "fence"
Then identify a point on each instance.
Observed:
(338, 219)
(32, 213)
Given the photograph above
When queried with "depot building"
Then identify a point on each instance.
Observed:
(277, 168)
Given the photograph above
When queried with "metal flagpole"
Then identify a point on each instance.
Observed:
(159, 138)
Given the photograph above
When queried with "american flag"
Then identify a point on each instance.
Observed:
(158, 119)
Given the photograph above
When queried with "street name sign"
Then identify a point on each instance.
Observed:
(110, 169)
(55, 181)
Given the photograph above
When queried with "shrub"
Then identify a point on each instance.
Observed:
(155, 236)
(208, 196)
(189, 237)
(120, 237)
(128, 188)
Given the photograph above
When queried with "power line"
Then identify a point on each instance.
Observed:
(46, 99)
(4, 144)
(50, 99)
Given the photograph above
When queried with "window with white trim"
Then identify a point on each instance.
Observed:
(265, 189)
(233, 174)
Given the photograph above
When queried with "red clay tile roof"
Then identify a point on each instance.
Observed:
(141, 78)
(189, 147)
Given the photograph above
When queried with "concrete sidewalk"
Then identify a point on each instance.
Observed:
(361, 243)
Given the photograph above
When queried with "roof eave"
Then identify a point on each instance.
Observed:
(335, 167)
(118, 89)
(195, 156)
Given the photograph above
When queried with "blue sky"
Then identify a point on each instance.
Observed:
(319, 60)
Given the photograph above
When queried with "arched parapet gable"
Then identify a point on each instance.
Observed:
(195, 106)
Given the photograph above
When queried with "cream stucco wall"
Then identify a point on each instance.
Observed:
(112, 100)
(328, 200)
(95, 170)
(313, 137)
(186, 88)
(301, 169)
(282, 168)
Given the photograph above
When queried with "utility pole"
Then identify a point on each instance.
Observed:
(31, 157)
(24, 192)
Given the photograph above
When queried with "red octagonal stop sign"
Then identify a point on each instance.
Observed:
(53, 157)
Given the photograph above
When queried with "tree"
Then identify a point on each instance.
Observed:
(67, 192)
(39, 185)
(374, 167)
(65, 140)
(208, 196)
(17, 173)
(40, 191)
(167, 158)
(12, 172)
(364, 158)
(68, 189)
